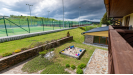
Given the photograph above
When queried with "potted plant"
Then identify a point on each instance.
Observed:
(68, 34)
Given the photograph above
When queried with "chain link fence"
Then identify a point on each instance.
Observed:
(17, 26)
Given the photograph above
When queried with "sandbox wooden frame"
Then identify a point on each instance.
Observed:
(77, 57)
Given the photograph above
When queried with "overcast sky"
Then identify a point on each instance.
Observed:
(90, 9)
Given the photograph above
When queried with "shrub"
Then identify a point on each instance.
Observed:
(79, 71)
(82, 66)
(24, 49)
(6, 54)
(52, 49)
(82, 28)
(18, 50)
(73, 67)
(67, 65)
(43, 52)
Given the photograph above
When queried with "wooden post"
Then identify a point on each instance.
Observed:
(106, 40)
(99, 39)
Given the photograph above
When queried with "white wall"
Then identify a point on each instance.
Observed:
(130, 22)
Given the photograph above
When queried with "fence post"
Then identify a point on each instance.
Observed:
(5, 26)
(69, 25)
(28, 25)
(43, 24)
(53, 25)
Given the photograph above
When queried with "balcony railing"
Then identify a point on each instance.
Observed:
(120, 47)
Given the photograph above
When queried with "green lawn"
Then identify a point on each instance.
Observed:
(57, 64)
(59, 60)
(18, 44)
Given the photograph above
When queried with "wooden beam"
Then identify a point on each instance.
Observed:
(106, 40)
(99, 39)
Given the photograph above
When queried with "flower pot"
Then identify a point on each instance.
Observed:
(68, 35)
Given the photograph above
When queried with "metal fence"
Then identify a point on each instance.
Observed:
(17, 26)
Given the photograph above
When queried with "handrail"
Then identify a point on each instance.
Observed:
(120, 54)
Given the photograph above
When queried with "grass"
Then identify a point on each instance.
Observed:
(54, 69)
(36, 64)
(57, 64)
(18, 44)
(59, 60)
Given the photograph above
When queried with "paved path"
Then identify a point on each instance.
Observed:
(98, 63)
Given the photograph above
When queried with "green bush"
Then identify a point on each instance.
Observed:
(24, 49)
(43, 52)
(82, 66)
(82, 28)
(79, 71)
(67, 65)
(52, 49)
(6, 54)
(73, 67)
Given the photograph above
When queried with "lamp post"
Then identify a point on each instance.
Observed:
(79, 16)
(48, 16)
(63, 13)
(30, 12)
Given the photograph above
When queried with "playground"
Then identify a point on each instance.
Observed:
(73, 52)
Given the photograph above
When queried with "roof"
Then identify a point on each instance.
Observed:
(97, 29)
(101, 31)
(118, 8)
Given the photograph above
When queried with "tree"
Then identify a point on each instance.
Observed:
(105, 20)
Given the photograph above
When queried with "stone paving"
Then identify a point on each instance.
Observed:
(98, 63)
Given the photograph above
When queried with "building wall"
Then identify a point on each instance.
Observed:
(130, 22)
(89, 39)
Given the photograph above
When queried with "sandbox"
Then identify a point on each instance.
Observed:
(73, 52)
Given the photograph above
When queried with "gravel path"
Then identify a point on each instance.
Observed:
(16, 69)
(98, 63)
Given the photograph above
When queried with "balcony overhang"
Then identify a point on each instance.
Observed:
(118, 8)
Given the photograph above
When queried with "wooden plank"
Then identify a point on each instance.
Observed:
(120, 51)
(127, 36)
(124, 31)
(110, 27)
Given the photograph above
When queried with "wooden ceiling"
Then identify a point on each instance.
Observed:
(118, 8)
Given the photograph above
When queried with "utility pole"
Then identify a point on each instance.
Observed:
(79, 16)
(48, 16)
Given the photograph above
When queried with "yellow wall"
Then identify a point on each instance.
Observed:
(130, 22)
(101, 33)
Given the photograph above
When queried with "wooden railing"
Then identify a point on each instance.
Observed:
(120, 51)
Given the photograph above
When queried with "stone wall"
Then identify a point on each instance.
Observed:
(21, 56)
(89, 39)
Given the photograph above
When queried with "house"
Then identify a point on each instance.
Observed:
(120, 36)
(97, 36)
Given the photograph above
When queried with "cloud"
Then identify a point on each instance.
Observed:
(90, 9)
